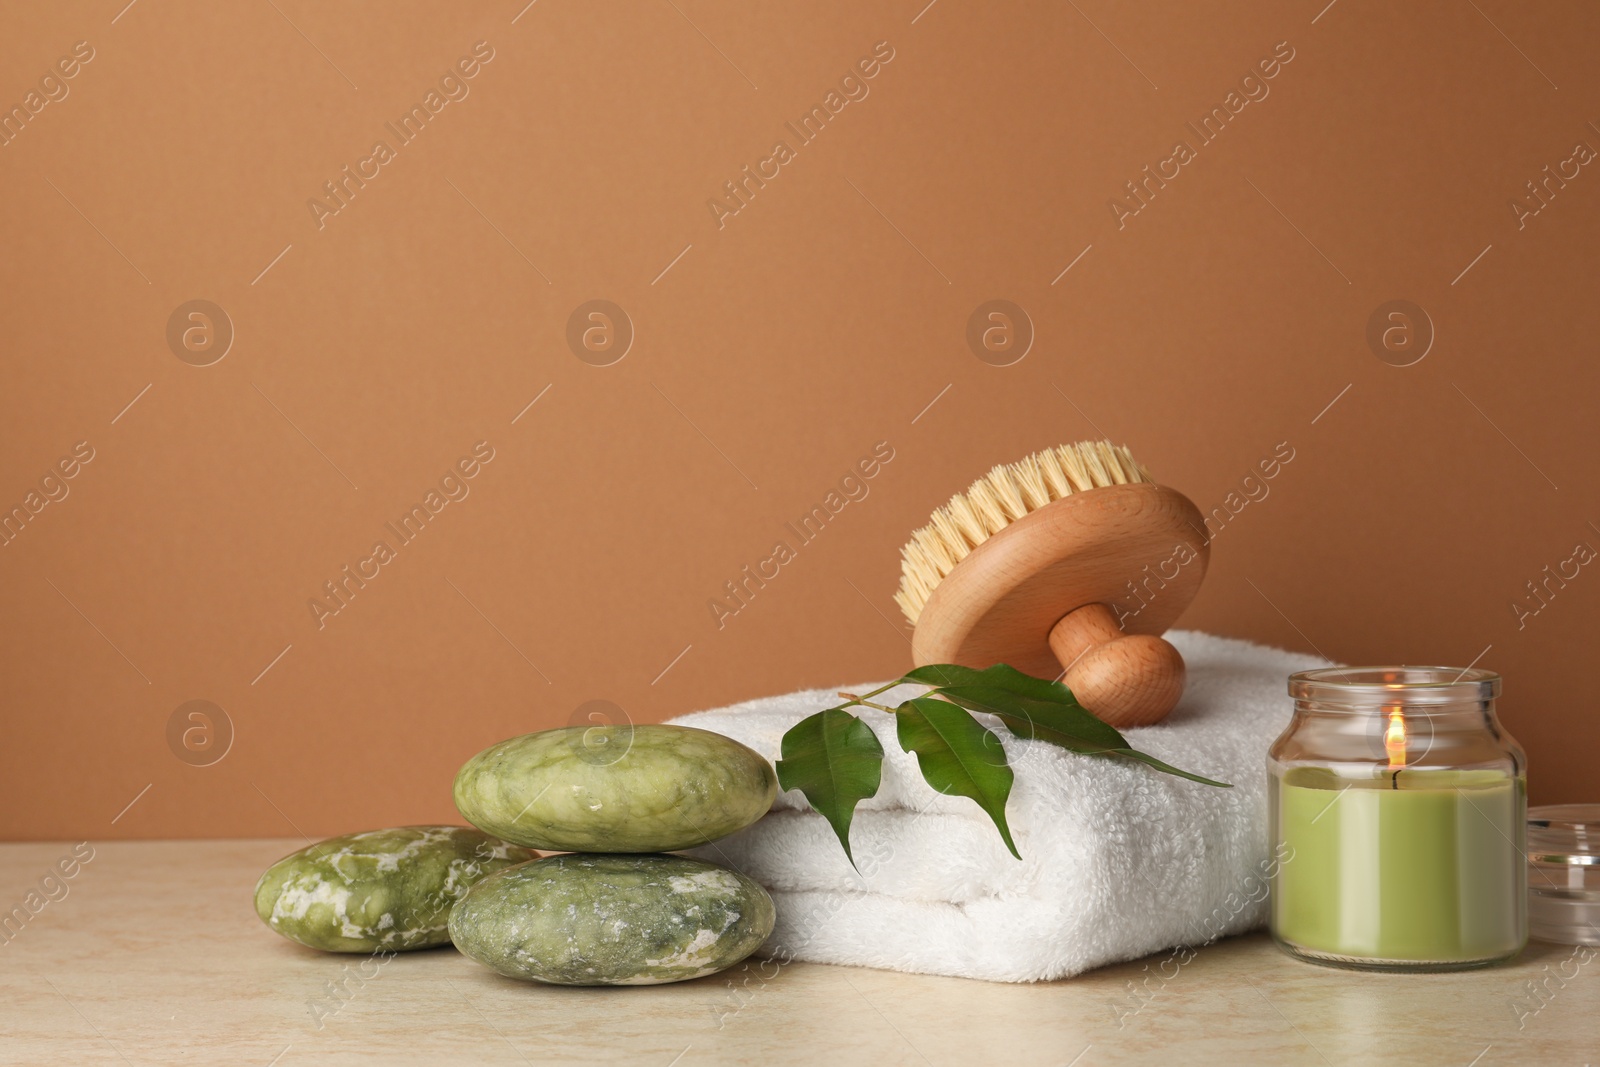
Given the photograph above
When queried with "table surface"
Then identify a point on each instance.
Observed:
(154, 955)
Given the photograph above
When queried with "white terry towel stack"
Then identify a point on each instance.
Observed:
(1118, 860)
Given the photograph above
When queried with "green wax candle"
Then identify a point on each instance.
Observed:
(1410, 867)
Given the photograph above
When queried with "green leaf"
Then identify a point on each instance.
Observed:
(1134, 754)
(1000, 676)
(937, 674)
(958, 755)
(836, 761)
(1066, 724)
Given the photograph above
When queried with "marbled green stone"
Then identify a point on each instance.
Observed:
(615, 788)
(612, 920)
(382, 889)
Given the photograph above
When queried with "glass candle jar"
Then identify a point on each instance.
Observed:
(1398, 810)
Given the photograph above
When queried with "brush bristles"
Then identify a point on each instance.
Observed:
(998, 499)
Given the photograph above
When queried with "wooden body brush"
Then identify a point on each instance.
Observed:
(1072, 560)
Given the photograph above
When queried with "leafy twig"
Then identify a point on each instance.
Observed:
(836, 761)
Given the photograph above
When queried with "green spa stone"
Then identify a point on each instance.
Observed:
(381, 889)
(616, 788)
(612, 920)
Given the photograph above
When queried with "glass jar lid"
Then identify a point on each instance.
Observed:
(1564, 835)
(1406, 686)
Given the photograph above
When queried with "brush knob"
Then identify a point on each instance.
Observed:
(1125, 679)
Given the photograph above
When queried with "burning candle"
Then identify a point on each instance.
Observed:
(1394, 740)
(1399, 805)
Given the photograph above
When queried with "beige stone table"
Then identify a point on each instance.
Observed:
(154, 955)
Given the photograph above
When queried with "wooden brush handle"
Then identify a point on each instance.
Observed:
(1126, 679)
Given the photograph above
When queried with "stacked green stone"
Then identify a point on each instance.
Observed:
(379, 891)
(615, 910)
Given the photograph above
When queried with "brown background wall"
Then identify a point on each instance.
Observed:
(372, 352)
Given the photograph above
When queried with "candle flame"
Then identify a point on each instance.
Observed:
(1394, 740)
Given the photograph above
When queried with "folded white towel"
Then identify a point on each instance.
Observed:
(1118, 860)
